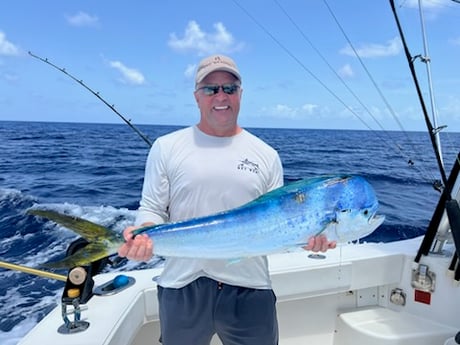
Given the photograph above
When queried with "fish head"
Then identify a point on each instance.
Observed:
(355, 212)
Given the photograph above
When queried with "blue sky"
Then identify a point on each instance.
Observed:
(141, 57)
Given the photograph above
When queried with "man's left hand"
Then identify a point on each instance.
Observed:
(320, 243)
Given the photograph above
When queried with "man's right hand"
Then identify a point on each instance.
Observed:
(139, 248)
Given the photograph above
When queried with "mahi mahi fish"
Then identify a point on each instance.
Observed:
(343, 207)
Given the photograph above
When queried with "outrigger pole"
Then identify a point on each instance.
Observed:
(111, 106)
(33, 271)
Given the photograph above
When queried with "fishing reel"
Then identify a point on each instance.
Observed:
(78, 290)
(79, 286)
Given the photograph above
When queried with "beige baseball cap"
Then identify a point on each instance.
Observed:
(216, 63)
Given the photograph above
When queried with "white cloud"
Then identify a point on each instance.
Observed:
(282, 110)
(195, 39)
(287, 112)
(6, 47)
(129, 75)
(309, 108)
(392, 48)
(83, 19)
(346, 71)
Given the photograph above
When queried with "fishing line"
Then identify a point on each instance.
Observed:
(301, 64)
(305, 37)
(111, 106)
(424, 172)
(382, 96)
(410, 162)
(391, 141)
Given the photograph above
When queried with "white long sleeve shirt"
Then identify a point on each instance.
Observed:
(191, 174)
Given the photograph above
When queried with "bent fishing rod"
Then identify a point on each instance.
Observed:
(42, 273)
(111, 106)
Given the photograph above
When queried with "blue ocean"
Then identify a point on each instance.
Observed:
(95, 171)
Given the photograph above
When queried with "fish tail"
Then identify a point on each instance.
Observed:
(102, 241)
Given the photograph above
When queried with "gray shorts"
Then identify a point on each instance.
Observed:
(240, 316)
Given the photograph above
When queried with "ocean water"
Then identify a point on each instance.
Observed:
(95, 171)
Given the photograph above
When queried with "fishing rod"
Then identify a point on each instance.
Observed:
(446, 201)
(432, 131)
(111, 106)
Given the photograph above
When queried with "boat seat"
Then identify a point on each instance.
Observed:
(381, 326)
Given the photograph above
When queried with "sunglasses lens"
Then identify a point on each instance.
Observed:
(230, 89)
(210, 90)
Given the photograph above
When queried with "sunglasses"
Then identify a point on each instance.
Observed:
(210, 90)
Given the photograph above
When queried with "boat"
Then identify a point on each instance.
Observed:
(404, 292)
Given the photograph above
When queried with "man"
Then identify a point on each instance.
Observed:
(200, 170)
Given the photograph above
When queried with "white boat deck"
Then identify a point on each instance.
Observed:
(339, 300)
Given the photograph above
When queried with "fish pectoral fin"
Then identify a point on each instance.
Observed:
(84, 256)
(86, 229)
